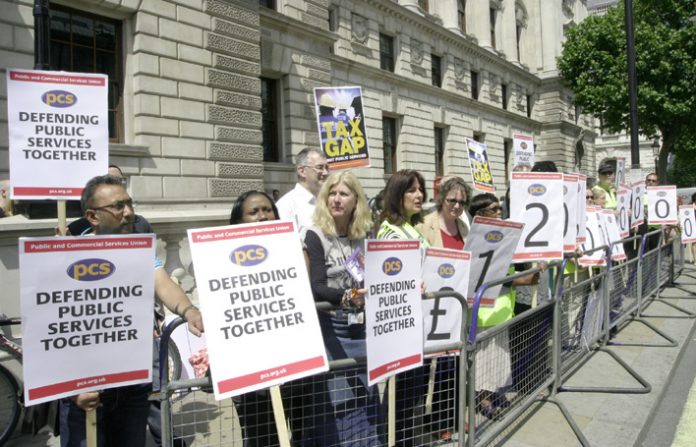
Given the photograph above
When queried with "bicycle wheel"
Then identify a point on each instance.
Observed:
(174, 359)
(9, 404)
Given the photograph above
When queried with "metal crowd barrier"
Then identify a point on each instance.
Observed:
(428, 403)
(479, 397)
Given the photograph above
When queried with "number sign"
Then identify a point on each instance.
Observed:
(637, 205)
(491, 243)
(595, 239)
(536, 198)
(662, 205)
(623, 208)
(444, 269)
(620, 172)
(687, 218)
(581, 208)
(607, 220)
(570, 215)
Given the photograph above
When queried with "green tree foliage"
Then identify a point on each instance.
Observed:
(593, 62)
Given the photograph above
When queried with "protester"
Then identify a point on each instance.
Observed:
(445, 228)
(491, 382)
(693, 245)
(81, 225)
(348, 409)
(254, 409)
(403, 201)
(607, 175)
(276, 195)
(599, 197)
(253, 206)
(298, 204)
(121, 412)
(5, 202)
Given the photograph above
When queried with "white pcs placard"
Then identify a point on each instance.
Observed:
(662, 205)
(260, 318)
(491, 243)
(570, 214)
(536, 199)
(393, 312)
(87, 307)
(637, 205)
(623, 210)
(687, 219)
(58, 132)
(595, 239)
(444, 269)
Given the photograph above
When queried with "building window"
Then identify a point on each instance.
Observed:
(461, 15)
(529, 106)
(504, 95)
(518, 36)
(270, 4)
(439, 151)
(389, 144)
(424, 5)
(88, 43)
(492, 13)
(333, 19)
(478, 136)
(386, 52)
(270, 118)
(474, 85)
(436, 70)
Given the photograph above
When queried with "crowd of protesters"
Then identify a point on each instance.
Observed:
(333, 218)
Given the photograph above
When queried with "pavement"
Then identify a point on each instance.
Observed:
(615, 419)
(664, 417)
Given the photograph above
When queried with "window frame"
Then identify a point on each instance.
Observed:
(461, 15)
(474, 84)
(271, 151)
(439, 136)
(115, 83)
(435, 62)
(390, 148)
(387, 59)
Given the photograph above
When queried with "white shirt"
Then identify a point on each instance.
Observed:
(297, 205)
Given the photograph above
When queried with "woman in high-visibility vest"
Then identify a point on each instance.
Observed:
(404, 197)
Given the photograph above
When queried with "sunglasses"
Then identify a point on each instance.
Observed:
(453, 202)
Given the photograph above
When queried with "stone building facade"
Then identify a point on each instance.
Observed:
(214, 97)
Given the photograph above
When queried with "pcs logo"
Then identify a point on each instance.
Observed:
(249, 255)
(494, 236)
(445, 271)
(536, 189)
(59, 98)
(91, 269)
(392, 266)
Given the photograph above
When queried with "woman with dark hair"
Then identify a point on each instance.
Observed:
(348, 408)
(254, 408)
(253, 206)
(449, 226)
(404, 196)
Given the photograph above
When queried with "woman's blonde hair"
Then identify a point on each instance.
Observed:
(361, 219)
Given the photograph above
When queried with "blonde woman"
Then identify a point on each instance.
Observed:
(334, 247)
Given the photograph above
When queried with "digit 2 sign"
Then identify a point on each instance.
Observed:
(536, 198)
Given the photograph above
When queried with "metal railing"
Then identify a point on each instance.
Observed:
(475, 398)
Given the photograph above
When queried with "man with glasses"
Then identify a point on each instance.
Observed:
(81, 225)
(298, 204)
(122, 412)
